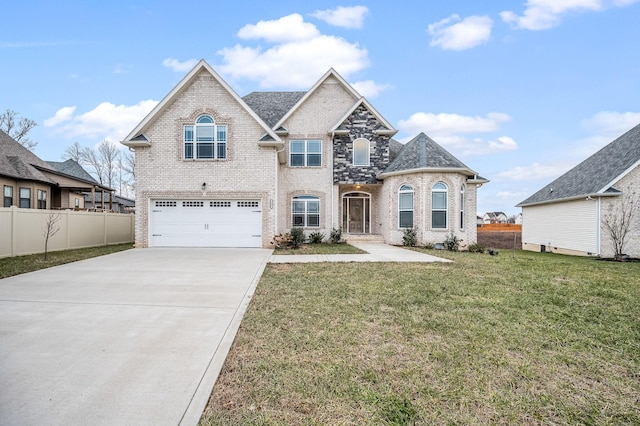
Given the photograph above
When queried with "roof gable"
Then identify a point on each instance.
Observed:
(384, 127)
(328, 75)
(423, 153)
(597, 174)
(133, 139)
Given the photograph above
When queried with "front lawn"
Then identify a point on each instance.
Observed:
(10, 266)
(520, 338)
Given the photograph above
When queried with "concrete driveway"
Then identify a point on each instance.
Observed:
(132, 338)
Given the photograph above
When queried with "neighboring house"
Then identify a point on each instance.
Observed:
(117, 203)
(479, 220)
(567, 215)
(517, 219)
(217, 170)
(29, 182)
(494, 217)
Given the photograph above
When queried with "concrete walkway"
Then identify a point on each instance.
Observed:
(132, 338)
(375, 253)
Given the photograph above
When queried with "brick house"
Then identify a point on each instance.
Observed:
(214, 169)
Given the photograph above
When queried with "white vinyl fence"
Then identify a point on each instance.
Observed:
(22, 231)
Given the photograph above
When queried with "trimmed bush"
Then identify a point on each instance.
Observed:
(476, 248)
(316, 237)
(336, 235)
(409, 237)
(297, 237)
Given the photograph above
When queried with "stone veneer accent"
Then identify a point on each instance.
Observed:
(361, 124)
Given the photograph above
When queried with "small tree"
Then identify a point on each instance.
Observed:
(618, 223)
(50, 229)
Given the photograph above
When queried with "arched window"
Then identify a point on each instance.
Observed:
(462, 207)
(305, 211)
(405, 206)
(205, 140)
(439, 206)
(361, 152)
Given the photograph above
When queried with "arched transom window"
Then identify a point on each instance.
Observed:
(439, 206)
(205, 140)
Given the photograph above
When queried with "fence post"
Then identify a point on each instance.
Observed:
(68, 226)
(14, 230)
(106, 228)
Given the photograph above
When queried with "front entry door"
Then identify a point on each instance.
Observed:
(356, 213)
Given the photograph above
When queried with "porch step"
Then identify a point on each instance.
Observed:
(363, 238)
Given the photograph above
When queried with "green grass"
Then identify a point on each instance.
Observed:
(322, 248)
(521, 338)
(10, 266)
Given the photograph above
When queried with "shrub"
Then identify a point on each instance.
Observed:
(336, 235)
(409, 238)
(297, 237)
(428, 246)
(452, 242)
(476, 248)
(316, 237)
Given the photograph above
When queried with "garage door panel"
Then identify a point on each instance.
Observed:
(206, 223)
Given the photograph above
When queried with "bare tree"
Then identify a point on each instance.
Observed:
(74, 152)
(90, 157)
(619, 222)
(18, 127)
(50, 229)
(108, 154)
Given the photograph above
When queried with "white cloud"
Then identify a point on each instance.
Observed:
(536, 171)
(62, 115)
(545, 14)
(611, 123)
(369, 88)
(105, 121)
(454, 33)
(295, 60)
(178, 66)
(346, 17)
(450, 130)
(285, 29)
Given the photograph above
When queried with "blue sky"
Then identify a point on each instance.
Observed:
(521, 91)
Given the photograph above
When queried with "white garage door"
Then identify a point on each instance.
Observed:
(206, 223)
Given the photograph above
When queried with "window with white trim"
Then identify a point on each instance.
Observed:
(305, 211)
(361, 152)
(305, 153)
(439, 206)
(42, 199)
(462, 207)
(8, 196)
(205, 140)
(25, 198)
(405, 206)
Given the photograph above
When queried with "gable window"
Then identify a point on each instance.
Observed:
(8, 196)
(25, 198)
(439, 206)
(405, 206)
(305, 211)
(305, 153)
(42, 199)
(205, 140)
(361, 152)
(462, 207)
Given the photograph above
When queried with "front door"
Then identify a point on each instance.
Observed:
(356, 213)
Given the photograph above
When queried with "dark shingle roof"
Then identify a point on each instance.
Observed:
(423, 152)
(594, 174)
(272, 106)
(72, 168)
(16, 161)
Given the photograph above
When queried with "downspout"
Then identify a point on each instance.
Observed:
(275, 201)
(598, 225)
